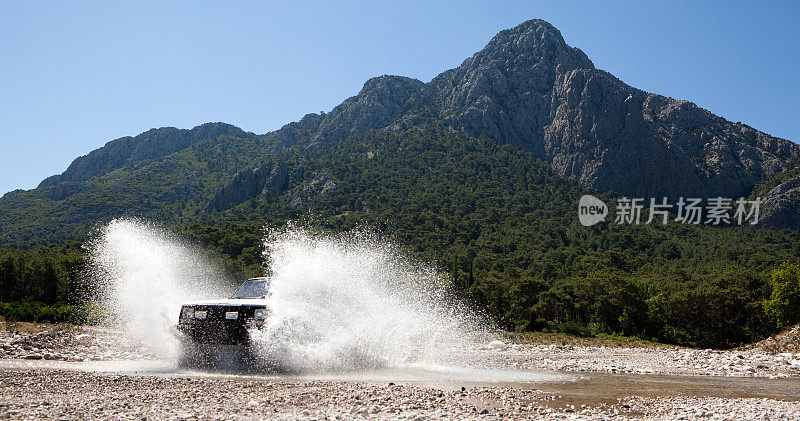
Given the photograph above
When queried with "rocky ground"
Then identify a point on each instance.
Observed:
(753, 362)
(71, 394)
(67, 343)
(44, 394)
(97, 344)
(785, 342)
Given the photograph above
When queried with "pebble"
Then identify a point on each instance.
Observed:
(69, 395)
(499, 345)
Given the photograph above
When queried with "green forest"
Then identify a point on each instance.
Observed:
(498, 221)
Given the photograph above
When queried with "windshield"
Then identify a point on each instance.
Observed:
(253, 288)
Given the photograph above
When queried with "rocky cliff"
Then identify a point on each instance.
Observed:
(781, 205)
(528, 88)
(248, 183)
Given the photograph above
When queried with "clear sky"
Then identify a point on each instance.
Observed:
(74, 75)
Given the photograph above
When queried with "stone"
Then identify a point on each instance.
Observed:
(781, 206)
(269, 178)
(499, 345)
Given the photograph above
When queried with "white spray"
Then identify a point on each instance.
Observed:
(352, 302)
(339, 303)
(143, 275)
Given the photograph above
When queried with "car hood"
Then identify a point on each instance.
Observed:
(254, 302)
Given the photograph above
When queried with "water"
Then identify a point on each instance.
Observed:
(142, 275)
(340, 303)
(353, 302)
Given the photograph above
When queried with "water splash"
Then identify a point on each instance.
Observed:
(339, 302)
(142, 276)
(353, 302)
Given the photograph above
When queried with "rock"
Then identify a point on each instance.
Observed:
(318, 184)
(299, 131)
(499, 345)
(781, 206)
(33, 357)
(381, 101)
(269, 178)
(528, 87)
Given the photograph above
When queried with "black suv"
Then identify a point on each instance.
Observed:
(207, 327)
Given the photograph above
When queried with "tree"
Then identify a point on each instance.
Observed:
(784, 304)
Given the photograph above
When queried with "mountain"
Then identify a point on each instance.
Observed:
(154, 143)
(526, 89)
(494, 219)
(477, 172)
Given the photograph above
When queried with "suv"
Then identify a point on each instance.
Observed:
(206, 328)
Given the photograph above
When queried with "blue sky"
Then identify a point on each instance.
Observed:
(74, 75)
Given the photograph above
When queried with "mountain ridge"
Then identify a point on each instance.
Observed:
(527, 88)
(156, 142)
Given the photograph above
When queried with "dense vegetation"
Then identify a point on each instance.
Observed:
(496, 219)
(38, 285)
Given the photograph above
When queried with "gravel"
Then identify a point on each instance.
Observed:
(653, 360)
(97, 344)
(67, 343)
(76, 395)
(73, 394)
(689, 407)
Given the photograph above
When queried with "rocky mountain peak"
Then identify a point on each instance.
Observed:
(527, 87)
(533, 41)
(390, 85)
(377, 105)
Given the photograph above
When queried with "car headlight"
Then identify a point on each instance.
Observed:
(187, 313)
(261, 314)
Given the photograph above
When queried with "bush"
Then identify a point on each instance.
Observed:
(34, 311)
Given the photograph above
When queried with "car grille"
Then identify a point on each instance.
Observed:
(216, 328)
(216, 314)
